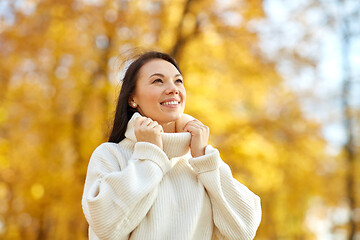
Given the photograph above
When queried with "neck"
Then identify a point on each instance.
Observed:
(169, 127)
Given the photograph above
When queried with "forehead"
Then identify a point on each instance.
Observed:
(158, 66)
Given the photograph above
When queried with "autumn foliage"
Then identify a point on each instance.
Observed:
(60, 69)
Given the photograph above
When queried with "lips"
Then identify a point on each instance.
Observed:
(171, 101)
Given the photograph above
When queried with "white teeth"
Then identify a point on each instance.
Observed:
(170, 103)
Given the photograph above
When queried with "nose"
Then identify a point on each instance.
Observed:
(172, 89)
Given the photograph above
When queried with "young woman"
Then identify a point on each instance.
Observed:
(157, 177)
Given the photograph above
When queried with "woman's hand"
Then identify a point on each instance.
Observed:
(147, 130)
(182, 121)
(199, 137)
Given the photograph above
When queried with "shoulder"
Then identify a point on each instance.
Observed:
(103, 148)
(111, 153)
(104, 160)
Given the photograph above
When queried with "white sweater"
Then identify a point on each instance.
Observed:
(135, 190)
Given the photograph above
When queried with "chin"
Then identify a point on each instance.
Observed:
(169, 117)
(174, 117)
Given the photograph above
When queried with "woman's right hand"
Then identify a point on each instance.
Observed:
(147, 130)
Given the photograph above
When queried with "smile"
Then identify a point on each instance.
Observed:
(170, 103)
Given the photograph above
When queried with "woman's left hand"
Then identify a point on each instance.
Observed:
(199, 137)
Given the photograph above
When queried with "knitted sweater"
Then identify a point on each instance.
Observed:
(135, 190)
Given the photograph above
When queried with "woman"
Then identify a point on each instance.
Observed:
(157, 177)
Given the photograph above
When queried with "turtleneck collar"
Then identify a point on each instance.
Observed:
(174, 144)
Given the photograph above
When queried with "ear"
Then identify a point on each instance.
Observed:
(132, 103)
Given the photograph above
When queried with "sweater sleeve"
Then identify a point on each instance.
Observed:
(115, 200)
(236, 210)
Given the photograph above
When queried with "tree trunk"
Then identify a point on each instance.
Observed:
(349, 146)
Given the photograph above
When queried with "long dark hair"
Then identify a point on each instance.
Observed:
(123, 111)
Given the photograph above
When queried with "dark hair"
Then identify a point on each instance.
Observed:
(123, 111)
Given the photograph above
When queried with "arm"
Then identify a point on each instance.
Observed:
(236, 210)
(116, 200)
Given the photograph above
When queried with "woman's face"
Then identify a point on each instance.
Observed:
(160, 92)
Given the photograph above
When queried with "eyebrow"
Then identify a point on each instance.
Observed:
(162, 75)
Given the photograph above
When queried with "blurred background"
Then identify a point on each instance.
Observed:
(277, 82)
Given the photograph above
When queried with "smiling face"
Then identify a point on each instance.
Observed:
(160, 93)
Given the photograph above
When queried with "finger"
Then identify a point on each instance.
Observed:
(197, 130)
(192, 129)
(159, 128)
(193, 124)
(153, 124)
(139, 121)
(190, 123)
(146, 122)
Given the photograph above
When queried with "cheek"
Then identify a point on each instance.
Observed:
(149, 97)
(183, 94)
(152, 99)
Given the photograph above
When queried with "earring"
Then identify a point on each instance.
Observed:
(134, 105)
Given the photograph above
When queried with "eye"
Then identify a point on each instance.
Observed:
(179, 81)
(157, 81)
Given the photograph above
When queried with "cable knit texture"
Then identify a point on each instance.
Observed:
(135, 190)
